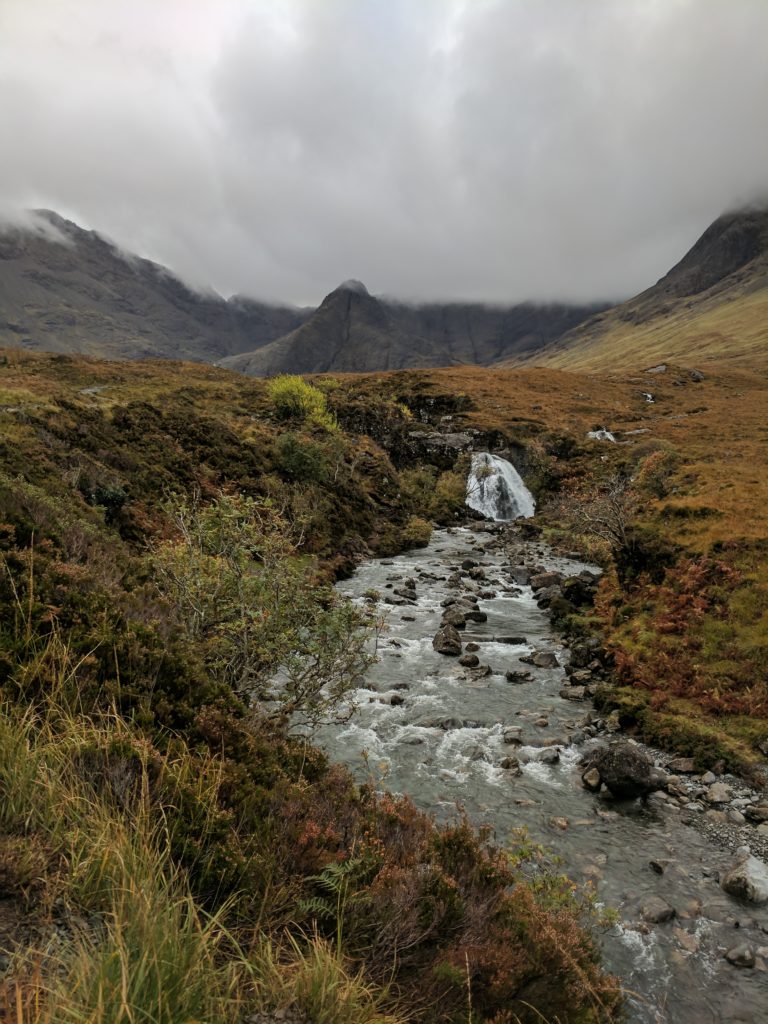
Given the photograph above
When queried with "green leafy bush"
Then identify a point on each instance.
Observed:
(293, 398)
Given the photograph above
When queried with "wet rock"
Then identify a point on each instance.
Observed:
(742, 955)
(579, 677)
(514, 641)
(511, 764)
(512, 734)
(625, 769)
(468, 563)
(469, 660)
(409, 595)
(447, 641)
(659, 866)
(542, 580)
(454, 618)
(542, 659)
(544, 598)
(396, 700)
(592, 780)
(482, 671)
(573, 692)
(681, 766)
(518, 677)
(542, 722)
(561, 823)
(548, 755)
(476, 616)
(407, 618)
(655, 910)
(471, 647)
(747, 878)
(478, 573)
(688, 941)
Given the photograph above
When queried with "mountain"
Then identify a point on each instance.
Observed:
(63, 289)
(712, 305)
(353, 331)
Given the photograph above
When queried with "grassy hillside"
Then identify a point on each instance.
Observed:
(732, 332)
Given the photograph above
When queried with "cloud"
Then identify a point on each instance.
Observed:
(441, 149)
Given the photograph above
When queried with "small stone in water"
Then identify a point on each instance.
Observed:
(741, 956)
(472, 647)
(542, 722)
(561, 823)
(469, 660)
(655, 910)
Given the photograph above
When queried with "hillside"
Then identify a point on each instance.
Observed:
(711, 306)
(63, 289)
(353, 331)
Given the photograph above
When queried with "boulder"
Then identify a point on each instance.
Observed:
(573, 692)
(512, 734)
(625, 769)
(681, 766)
(756, 813)
(447, 641)
(547, 755)
(655, 910)
(542, 580)
(469, 660)
(543, 659)
(518, 677)
(718, 793)
(747, 878)
(579, 591)
(511, 764)
(454, 618)
(471, 647)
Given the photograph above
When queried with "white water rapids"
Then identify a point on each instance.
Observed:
(496, 489)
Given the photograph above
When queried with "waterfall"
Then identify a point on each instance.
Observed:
(495, 488)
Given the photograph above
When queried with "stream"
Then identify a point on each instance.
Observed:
(434, 730)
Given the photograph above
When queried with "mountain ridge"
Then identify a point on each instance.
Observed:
(711, 305)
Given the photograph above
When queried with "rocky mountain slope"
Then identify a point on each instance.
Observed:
(354, 331)
(712, 305)
(63, 289)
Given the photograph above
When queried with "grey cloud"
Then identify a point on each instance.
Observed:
(503, 150)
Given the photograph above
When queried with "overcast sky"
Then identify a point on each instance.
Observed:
(435, 149)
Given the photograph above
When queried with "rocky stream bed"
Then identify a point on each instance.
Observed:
(475, 701)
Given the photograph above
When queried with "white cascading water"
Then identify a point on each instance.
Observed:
(496, 490)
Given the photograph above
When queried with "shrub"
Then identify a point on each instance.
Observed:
(301, 459)
(293, 398)
(417, 532)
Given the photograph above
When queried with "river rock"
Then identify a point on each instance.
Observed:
(747, 878)
(511, 764)
(518, 677)
(756, 813)
(471, 647)
(512, 734)
(718, 793)
(625, 769)
(542, 580)
(447, 641)
(655, 910)
(681, 766)
(547, 755)
(476, 616)
(592, 780)
(741, 956)
(573, 692)
(455, 618)
(469, 660)
(541, 659)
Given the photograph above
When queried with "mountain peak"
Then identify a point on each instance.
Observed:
(353, 285)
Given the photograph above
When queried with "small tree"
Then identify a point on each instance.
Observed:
(247, 600)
